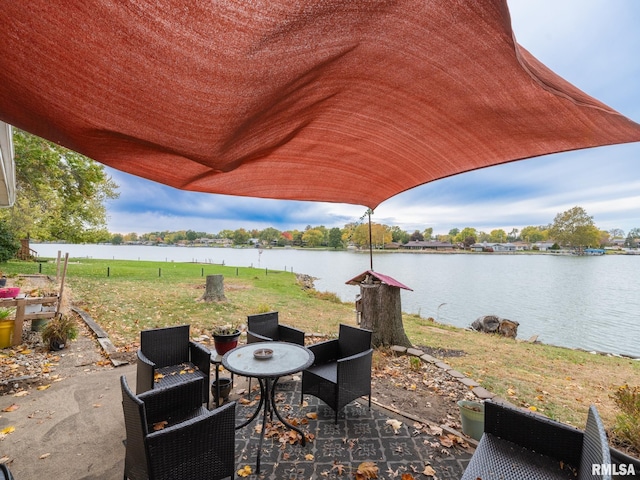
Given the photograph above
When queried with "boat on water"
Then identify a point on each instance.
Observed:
(592, 251)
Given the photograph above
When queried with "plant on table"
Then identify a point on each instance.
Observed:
(225, 338)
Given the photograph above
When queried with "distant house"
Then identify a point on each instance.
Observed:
(544, 246)
(504, 247)
(521, 246)
(493, 247)
(430, 245)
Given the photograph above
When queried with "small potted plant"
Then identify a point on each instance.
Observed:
(225, 338)
(59, 331)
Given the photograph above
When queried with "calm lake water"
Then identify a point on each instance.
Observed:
(591, 303)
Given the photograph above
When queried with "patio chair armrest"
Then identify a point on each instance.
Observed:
(253, 337)
(595, 446)
(534, 432)
(173, 400)
(324, 352)
(200, 357)
(359, 363)
(356, 357)
(145, 369)
(291, 334)
(181, 449)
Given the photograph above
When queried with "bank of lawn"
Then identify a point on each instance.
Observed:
(125, 297)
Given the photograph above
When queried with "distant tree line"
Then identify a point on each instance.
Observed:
(573, 228)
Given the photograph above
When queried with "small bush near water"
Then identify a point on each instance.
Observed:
(627, 425)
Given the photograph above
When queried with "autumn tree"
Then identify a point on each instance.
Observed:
(241, 236)
(575, 228)
(532, 234)
(498, 236)
(60, 194)
(313, 237)
(467, 236)
(417, 236)
(269, 235)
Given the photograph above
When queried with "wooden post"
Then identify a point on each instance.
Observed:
(214, 289)
(18, 323)
(382, 314)
(64, 275)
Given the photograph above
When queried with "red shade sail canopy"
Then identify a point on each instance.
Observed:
(312, 100)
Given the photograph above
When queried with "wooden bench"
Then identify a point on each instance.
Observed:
(518, 444)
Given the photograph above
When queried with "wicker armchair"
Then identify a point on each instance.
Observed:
(264, 327)
(519, 444)
(195, 443)
(342, 369)
(166, 352)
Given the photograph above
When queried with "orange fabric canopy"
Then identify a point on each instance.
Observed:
(326, 100)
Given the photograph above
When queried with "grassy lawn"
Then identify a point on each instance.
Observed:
(125, 297)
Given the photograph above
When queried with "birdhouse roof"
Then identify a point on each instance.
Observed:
(386, 279)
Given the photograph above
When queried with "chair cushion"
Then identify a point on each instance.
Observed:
(328, 371)
(174, 374)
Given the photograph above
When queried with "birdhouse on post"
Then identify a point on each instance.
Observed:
(380, 308)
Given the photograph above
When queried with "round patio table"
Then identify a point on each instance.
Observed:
(287, 358)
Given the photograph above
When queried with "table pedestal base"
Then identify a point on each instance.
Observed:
(267, 391)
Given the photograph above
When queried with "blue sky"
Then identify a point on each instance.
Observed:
(594, 44)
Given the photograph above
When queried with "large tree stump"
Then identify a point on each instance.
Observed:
(214, 289)
(382, 314)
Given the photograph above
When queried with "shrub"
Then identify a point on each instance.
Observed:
(9, 246)
(627, 425)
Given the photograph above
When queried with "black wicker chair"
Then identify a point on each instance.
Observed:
(264, 327)
(194, 443)
(519, 444)
(167, 356)
(342, 369)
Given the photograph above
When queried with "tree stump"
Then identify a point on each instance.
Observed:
(382, 314)
(214, 289)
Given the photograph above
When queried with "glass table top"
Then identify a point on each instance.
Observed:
(287, 358)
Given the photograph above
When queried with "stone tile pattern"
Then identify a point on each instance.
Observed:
(361, 435)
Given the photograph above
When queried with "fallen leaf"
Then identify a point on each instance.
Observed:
(44, 455)
(338, 467)
(22, 393)
(160, 425)
(43, 387)
(312, 415)
(395, 424)
(7, 430)
(245, 471)
(446, 441)
(309, 457)
(11, 408)
(429, 471)
(407, 476)
(367, 470)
